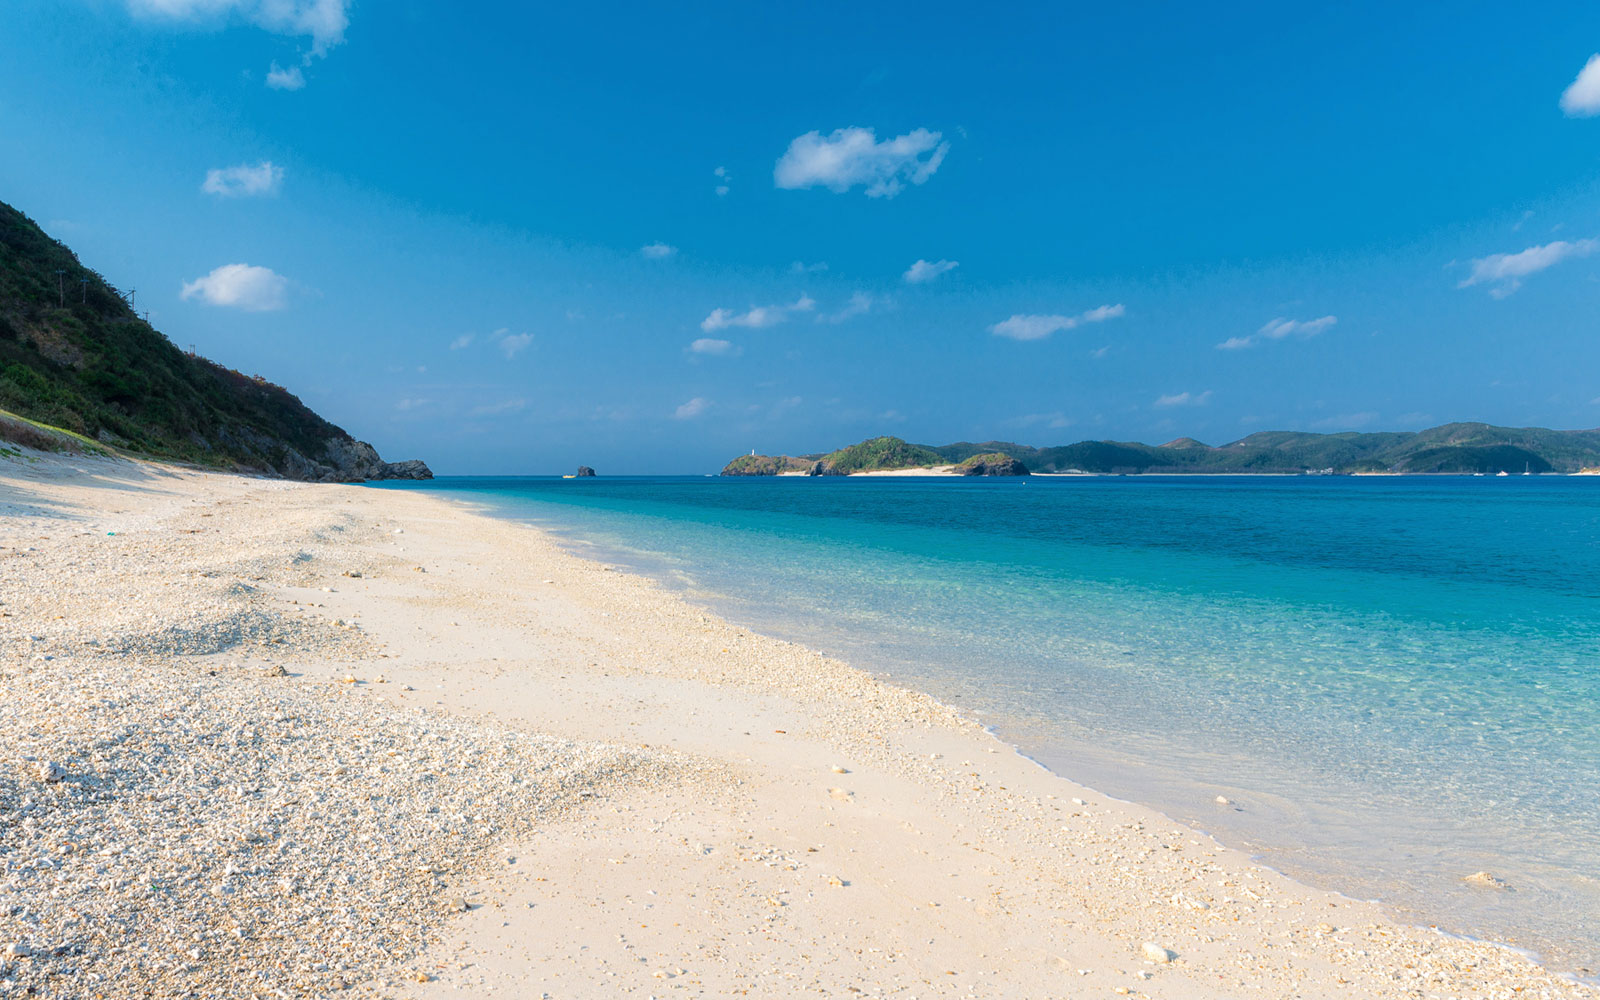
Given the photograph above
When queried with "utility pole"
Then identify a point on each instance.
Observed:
(147, 317)
(61, 286)
(132, 294)
(85, 283)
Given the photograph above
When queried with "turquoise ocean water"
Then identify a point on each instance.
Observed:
(1396, 681)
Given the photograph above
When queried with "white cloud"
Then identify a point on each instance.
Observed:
(512, 343)
(1100, 352)
(1278, 329)
(756, 317)
(693, 408)
(1024, 326)
(411, 404)
(1185, 399)
(1281, 328)
(657, 251)
(801, 267)
(723, 177)
(860, 304)
(285, 79)
(465, 340)
(244, 181)
(240, 286)
(710, 345)
(924, 271)
(323, 21)
(854, 156)
(1504, 272)
(1582, 98)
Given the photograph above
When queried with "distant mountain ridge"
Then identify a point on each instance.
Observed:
(74, 355)
(1460, 448)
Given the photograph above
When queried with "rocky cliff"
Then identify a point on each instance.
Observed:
(75, 356)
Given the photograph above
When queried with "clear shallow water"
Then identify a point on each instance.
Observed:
(1397, 681)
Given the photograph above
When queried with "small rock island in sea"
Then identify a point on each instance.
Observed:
(584, 471)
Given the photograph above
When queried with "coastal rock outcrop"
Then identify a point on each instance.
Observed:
(584, 472)
(771, 465)
(346, 460)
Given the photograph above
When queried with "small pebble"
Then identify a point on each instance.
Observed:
(1155, 953)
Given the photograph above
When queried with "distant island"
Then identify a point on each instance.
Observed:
(1459, 448)
(81, 371)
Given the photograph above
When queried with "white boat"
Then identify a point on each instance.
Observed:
(1502, 472)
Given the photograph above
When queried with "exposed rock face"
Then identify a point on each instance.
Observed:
(411, 468)
(344, 460)
(994, 464)
(584, 472)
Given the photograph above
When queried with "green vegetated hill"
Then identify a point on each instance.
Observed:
(1451, 448)
(872, 455)
(74, 356)
(992, 463)
(881, 454)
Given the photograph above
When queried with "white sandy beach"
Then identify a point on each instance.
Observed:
(489, 767)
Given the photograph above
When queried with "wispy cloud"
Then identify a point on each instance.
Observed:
(1054, 420)
(658, 251)
(323, 21)
(801, 267)
(924, 271)
(461, 342)
(1347, 421)
(853, 157)
(1280, 329)
(1503, 272)
(244, 181)
(723, 177)
(240, 286)
(1581, 99)
(860, 304)
(1028, 326)
(411, 404)
(499, 409)
(693, 408)
(1184, 399)
(279, 78)
(511, 344)
(710, 345)
(756, 317)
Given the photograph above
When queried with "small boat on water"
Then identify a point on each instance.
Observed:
(1502, 472)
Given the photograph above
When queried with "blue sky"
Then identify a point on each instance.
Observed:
(512, 239)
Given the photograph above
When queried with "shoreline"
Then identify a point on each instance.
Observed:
(1440, 897)
(797, 797)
